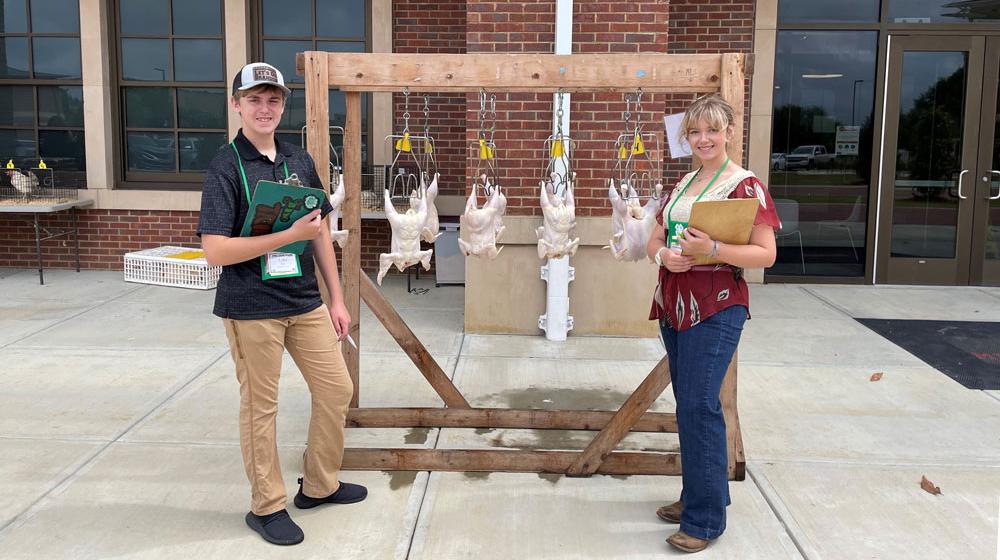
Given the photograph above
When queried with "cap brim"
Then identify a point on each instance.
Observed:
(252, 85)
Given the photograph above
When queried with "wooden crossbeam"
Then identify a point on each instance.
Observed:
(661, 422)
(410, 344)
(589, 462)
(491, 460)
(653, 72)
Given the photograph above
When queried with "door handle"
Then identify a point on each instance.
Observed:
(997, 197)
(960, 175)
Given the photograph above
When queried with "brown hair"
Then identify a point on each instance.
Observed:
(711, 108)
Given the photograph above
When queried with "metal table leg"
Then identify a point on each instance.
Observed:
(76, 236)
(38, 249)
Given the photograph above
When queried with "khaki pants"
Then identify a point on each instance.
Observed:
(257, 347)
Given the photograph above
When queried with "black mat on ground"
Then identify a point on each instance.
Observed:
(966, 351)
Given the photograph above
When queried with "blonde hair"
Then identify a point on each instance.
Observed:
(711, 108)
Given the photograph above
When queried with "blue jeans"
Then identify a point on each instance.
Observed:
(699, 358)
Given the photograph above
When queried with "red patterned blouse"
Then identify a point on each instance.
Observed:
(688, 298)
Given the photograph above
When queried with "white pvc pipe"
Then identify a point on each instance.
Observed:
(556, 321)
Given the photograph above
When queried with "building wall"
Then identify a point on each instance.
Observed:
(608, 297)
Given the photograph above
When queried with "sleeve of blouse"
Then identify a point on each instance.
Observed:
(766, 213)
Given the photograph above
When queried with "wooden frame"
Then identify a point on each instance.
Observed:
(367, 72)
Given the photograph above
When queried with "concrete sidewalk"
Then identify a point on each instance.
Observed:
(118, 425)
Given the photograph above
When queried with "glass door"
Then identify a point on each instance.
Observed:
(929, 168)
(986, 237)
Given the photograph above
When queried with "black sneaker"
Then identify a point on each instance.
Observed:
(347, 494)
(277, 528)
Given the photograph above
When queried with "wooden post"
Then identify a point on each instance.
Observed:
(351, 221)
(734, 439)
(732, 91)
(492, 460)
(507, 418)
(630, 412)
(410, 344)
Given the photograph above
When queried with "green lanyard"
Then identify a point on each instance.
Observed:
(671, 228)
(239, 160)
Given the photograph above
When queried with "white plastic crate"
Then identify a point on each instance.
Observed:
(182, 267)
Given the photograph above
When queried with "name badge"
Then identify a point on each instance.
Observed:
(676, 232)
(280, 265)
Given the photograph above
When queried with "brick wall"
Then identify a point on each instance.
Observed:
(699, 26)
(523, 120)
(434, 28)
(105, 236)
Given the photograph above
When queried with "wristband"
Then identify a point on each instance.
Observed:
(657, 258)
(715, 249)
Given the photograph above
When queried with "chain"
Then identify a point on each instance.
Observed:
(493, 115)
(482, 111)
(627, 115)
(406, 109)
(638, 109)
(559, 116)
(427, 116)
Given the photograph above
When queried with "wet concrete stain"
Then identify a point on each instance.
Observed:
(400, 479)
(416, 436)
(483, 431)
(476, 475)
(621, 476)
(550, 477)
(557, 398)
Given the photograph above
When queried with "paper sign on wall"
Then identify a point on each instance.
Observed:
(678, 146)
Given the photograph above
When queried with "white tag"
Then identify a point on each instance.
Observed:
(282, 264)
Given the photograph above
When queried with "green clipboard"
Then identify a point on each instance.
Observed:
(275, 207)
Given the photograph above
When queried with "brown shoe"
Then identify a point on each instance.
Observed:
(671, 513)
(687, 543)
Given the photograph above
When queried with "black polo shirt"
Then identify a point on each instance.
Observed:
(242, 293)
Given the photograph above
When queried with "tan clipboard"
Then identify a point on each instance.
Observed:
(729, 221)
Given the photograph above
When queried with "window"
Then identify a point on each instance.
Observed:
(944, 11)
(287, 27)
(841, 11)
(41, 92)
(172, 88)
(821, 146)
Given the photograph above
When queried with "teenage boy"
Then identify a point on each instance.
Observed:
(265, 317)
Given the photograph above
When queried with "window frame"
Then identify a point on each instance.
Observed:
(76, 177)
(149, 180)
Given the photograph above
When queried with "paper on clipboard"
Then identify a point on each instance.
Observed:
(729, 221)
(678, 146)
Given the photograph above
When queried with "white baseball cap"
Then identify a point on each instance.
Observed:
(256, 74)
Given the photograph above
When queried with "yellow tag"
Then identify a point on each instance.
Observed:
(41, 164)
(489, 152)
(428, 147)
(10, 164)
(622, 154)
(557, 149)
(637, 147)
(188, 255)
(406, 141)
(484, 152)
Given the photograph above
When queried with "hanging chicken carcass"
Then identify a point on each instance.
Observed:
(405, 243)
(558, 222)
(431, 229)
(631, 222)
(483, 226)
(337, 201)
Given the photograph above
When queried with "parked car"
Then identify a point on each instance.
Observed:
(777, 162)
(808, 157)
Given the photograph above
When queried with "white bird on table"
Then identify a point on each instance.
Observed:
(24, 183)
